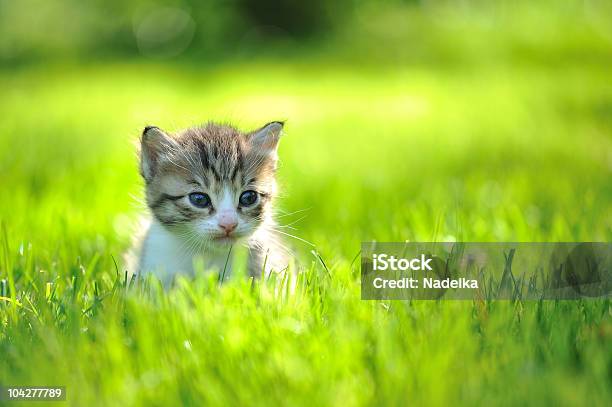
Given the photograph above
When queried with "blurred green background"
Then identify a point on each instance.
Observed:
(406, 120)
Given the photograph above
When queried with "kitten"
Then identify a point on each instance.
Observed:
(209, 188)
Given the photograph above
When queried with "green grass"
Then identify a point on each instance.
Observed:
(501, 151)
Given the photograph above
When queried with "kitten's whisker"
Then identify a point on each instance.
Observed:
(295, 237)
(191, 241)
(289, 225)
(187, 246)
(292, 213)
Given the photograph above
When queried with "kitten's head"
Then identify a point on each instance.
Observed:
(210, 184)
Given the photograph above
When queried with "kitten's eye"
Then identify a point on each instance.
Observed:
(199, 199)
(248, 198)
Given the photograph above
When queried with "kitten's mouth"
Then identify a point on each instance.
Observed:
(225, 239)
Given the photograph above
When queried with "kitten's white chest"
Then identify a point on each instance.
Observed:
(166, 255)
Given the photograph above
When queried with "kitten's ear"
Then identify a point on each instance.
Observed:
(266, 139)
(154, 143)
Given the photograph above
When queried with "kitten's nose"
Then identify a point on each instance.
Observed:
(228, 226)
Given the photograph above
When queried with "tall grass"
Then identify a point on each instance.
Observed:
(508, 151)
